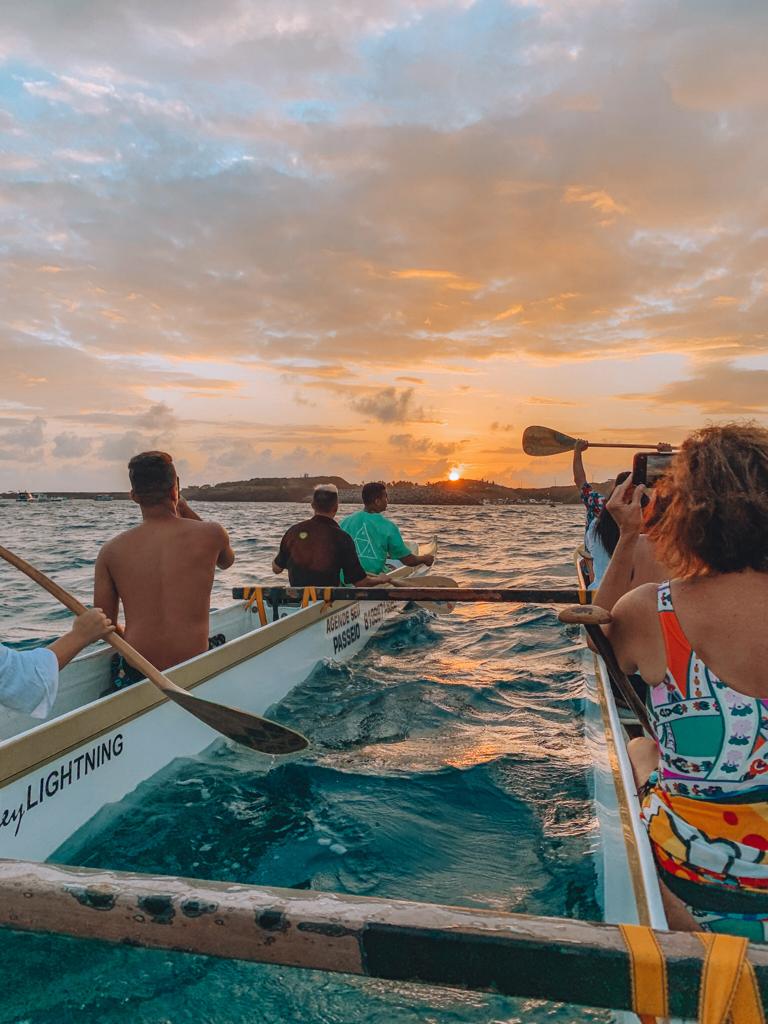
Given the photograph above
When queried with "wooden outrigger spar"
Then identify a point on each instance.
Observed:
(277, 596)
(513, 954)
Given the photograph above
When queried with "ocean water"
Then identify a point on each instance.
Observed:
(447, 764)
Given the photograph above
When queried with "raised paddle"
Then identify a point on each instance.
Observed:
(240, 726)
(546, 441)
(593, 618)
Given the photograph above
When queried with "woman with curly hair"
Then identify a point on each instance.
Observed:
(700, 643)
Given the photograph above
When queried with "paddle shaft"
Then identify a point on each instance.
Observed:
(452, 595)
(606, 444)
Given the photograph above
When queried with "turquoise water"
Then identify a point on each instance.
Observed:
(447, 765)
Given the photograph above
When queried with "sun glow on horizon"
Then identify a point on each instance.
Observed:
(454, 474)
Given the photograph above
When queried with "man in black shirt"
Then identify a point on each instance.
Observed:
(317, 551)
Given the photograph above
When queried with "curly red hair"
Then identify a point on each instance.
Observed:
(716, 497)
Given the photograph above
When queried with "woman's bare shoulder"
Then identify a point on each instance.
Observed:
(640, 602)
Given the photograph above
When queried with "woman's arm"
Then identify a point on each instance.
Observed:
(579, 475)
(89, 626)
(626, 508)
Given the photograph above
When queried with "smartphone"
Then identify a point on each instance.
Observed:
(647, 467)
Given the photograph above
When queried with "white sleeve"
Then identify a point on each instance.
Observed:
(29, 680)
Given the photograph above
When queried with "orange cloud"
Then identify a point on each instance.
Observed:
(450, 279)
(598, 199)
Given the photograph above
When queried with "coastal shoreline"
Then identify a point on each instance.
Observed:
(298, 490)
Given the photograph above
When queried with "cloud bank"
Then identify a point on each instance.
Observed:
(222, 223)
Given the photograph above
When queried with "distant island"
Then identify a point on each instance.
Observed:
(401, 492)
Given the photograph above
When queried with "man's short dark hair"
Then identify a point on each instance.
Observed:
(152, 476)
(372, 491)
(325, 497)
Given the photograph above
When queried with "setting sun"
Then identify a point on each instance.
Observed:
(454, 474)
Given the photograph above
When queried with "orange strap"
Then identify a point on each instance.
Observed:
(327, 599)
(310, 594)
(728, 985)
(257, 597)
(648, 973)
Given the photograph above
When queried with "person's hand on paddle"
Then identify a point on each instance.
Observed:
(625, 505)
(92, 625)
(581, 445)
(664, 446)
(89, 625)
(427, 559)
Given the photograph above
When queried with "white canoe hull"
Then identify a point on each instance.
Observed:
(56, 776)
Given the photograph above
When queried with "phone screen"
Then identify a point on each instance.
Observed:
(656, 465)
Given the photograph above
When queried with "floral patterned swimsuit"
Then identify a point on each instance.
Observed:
(707, 814)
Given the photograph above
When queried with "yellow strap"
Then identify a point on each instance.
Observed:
(582, 596)
(648, 972)
(310, 594)
(327, 591)
(747, 1007)
(728, 984)
(257, 597)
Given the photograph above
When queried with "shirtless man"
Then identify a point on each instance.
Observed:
(162, 570)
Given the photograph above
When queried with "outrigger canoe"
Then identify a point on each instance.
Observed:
(56, 775)
(628, 885)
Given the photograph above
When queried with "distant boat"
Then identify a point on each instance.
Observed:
(103, 497)
(25, 496)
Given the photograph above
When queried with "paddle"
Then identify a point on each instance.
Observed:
(592, 618)
(240, 726)
(546, 441)
(430, 581)
(423, 581)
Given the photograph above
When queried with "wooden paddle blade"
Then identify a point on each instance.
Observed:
(441, 609)
(585, 615)
(242, 727)
(424, 581)
(545, 441)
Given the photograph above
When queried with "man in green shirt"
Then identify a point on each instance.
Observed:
(377, 538)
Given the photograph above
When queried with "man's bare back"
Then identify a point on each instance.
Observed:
(162, 571)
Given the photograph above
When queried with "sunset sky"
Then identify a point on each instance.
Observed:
(376, 238)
